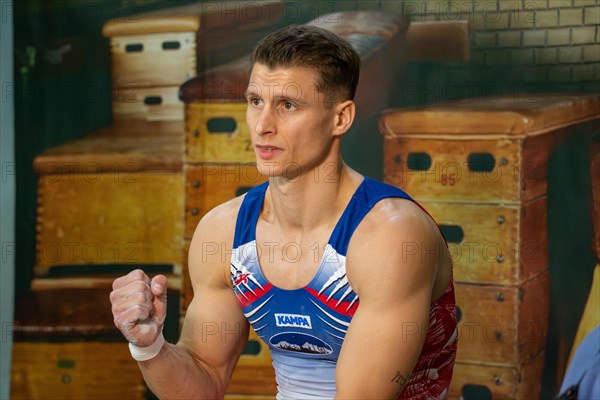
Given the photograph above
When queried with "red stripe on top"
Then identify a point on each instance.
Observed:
(252, 297)
(332, 303)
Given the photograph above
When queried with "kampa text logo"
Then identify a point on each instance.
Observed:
(298, 321)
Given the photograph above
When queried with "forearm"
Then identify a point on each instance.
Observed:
(175, 374)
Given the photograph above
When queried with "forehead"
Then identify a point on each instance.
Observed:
(289, 81)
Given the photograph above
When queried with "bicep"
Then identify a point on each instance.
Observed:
(215, 331)
(393, 333)
(395, 292)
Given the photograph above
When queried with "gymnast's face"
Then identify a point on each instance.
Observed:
(292, 130)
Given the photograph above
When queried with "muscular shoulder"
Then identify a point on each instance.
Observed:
(396, 239)
(212, 243)
(399, 218)
(219, 223)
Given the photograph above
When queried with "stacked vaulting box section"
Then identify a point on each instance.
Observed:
(113, 201)
(220, 159)
(155, 52)
(479, 166)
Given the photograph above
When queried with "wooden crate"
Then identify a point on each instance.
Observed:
(217, 132)
(210, 184)
(487, 382)
(167, 47)
(480, 167)
(502, 325)
(158, 103)
(67, 347)
(110, 200)
(494, 244)
(75, 370)
(480, 150)
(159, 59)
(140, 129)
(215, 105)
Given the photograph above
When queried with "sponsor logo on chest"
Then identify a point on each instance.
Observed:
(293, 320)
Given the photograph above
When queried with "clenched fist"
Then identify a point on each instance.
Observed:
(139, 306)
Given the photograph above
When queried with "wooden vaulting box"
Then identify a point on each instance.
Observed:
(211, 184)
(111, 200)
(480, 150)
(502, 325)
(67, 347)
(159, 103)
(502, 336)
(479, 166)
(162, 48)
(493, 244)
(218, 133)
(496, 382)
(153, 53)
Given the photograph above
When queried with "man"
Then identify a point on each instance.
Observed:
(346, 279)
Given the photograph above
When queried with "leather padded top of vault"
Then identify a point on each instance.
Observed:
(236, 15)
(516, 115)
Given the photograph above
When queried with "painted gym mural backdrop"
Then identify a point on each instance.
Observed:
(130, 126)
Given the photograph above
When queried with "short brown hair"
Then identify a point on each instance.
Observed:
(336, 61)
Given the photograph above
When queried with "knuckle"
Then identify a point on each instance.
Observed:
(140, 297)
(117, 309)
(138, 274)
(117, 283)
(140, 286)
(137, 292)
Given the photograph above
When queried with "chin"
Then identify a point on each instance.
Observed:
(271, 169)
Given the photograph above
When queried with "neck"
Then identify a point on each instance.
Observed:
(312, 199)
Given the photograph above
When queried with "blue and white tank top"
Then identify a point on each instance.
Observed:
(304, 328)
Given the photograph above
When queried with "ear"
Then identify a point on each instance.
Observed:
(344, 117)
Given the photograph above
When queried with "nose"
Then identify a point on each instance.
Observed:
(265, 124)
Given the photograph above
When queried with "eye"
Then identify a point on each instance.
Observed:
(255, 101)
(289, 106)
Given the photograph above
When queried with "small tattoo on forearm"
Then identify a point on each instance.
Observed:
(400, 379)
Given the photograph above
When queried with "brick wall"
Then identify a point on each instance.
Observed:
(516, 46)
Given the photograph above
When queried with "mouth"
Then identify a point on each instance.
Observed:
(266, 152)
(267, 148)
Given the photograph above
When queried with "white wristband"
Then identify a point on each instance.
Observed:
(146, 353)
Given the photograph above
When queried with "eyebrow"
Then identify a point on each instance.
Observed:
(252, 93)
(249, 92)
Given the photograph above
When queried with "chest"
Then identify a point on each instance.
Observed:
(290, 262)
